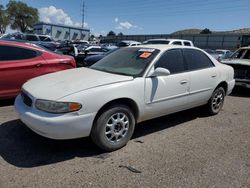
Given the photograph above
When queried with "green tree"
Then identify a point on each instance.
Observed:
(205, 31)
(120, 34)
(92, 37)
(21, 16)
(111, 33)
(4, 21)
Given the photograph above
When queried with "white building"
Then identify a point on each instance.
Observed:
(61, 32)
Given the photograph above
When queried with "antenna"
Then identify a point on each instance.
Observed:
(83, 12)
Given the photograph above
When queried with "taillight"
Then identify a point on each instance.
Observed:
(73, 63)
(70, 62)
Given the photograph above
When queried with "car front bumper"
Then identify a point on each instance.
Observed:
(55, 126)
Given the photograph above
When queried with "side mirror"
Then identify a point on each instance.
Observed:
(160, 72)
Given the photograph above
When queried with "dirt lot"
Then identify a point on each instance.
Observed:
(186, 149)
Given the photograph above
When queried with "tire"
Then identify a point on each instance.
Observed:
(216, 101)
(113, 128)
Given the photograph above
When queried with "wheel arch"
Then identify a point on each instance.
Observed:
(122, 101)
(224, 85)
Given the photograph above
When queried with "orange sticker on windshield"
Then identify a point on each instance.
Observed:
(145, 55)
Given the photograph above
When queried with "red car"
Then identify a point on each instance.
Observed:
(20, 62)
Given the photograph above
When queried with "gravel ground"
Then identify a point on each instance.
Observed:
(186, 149)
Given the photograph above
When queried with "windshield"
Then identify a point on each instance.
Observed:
(127, 61)
(241, 54)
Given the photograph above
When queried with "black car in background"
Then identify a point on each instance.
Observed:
(90, 60)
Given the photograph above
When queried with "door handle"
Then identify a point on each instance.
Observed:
(214, 75)
(183, 82)
(38, 65)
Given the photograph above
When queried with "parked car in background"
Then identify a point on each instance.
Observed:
(94, 50)
(213, 53)
(67, 48)
(223, 54)
(90, 60)
(41, 40)
(126, 43)
(20, 62)
(170, 41)
(88, 51)
(79, 42)
(110, 46)
(240, 61)
(128, 86)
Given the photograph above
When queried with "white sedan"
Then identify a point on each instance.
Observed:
(128, 86)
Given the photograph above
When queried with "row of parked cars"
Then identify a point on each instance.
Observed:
(34, 60)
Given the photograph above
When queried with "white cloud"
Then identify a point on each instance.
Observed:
(125, 25)
(116, 20)
(57, 16)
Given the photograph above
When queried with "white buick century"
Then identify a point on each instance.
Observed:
(128, 86)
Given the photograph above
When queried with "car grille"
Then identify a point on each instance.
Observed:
(26, 99)
(241, 71)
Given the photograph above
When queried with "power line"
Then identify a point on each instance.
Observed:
(147, 7)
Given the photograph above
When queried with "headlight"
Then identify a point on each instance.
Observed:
(57, 107)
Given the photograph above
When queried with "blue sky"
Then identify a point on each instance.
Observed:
(146, 16)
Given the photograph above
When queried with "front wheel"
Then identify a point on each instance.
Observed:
(113, 128)
(216, 102)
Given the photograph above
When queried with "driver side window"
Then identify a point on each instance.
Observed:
(172, 60)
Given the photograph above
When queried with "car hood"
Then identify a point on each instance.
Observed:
(236, 61)
(60, 84)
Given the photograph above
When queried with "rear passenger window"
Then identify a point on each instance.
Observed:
(172, 60)
(9, 53)
(196, 59)
(177, 43)
(187, 44)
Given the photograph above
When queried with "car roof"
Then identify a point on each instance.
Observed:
(170, 40)
(130, 41)
(94, 46)
(179, 40)
(157, 39)
(163, 47)
(222, 50)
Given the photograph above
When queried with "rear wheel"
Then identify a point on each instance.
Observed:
(216, 102)
(113, 128)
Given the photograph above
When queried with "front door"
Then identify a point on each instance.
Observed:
(167, 94)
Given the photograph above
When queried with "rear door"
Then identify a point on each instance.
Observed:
(17, 65)
(203, 76)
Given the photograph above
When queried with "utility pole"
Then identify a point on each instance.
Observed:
(83, 12)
